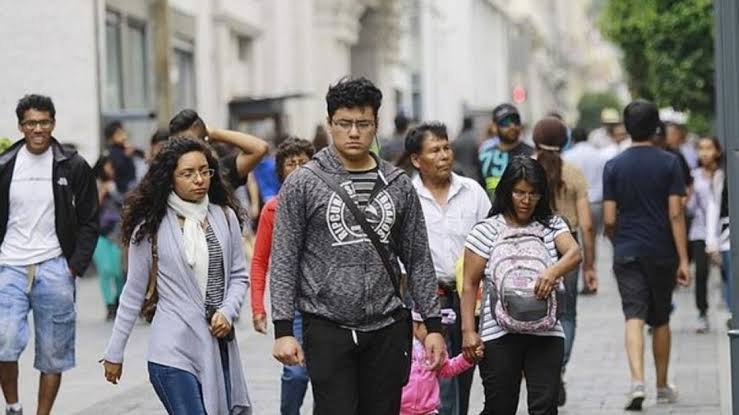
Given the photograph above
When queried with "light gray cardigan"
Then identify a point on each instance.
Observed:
(179, 335)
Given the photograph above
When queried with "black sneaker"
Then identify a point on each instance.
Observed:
(636, 397)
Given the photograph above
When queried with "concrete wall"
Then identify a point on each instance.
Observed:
(49, 48)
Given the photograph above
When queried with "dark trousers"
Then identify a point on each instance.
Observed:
(539, 358)
(356, 373)
(700, 258)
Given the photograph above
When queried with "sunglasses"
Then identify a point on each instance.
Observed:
(509, 121)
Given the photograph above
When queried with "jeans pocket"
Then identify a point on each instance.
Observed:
(63, 330)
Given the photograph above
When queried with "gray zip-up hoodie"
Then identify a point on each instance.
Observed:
(323, 263)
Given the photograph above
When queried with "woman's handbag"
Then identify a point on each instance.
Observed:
(149, 306)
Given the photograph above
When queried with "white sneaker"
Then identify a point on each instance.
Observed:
(9, 411)
(667, 394)
(703, 325)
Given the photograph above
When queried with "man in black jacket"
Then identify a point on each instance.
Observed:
(48, 231)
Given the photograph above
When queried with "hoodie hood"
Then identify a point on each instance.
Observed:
(328, 160)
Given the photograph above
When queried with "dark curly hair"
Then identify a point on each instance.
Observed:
(36, 102)
(292, 146)
(353, 93)
(147, 204)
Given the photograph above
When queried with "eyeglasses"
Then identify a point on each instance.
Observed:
(192, 174)
(32, 124)
(295, 163)
(519, 195)
(509, 121)
(362, 125)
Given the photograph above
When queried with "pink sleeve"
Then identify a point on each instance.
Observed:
(455, 366)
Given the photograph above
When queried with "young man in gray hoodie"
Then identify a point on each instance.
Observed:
(357, 335)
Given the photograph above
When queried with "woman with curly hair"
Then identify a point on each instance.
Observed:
(184, 213)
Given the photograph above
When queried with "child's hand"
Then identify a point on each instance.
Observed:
(479, 353)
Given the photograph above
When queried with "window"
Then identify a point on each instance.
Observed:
(126, 83)
(182, 75)
(243, 48)
(113, 93)
(138, 81)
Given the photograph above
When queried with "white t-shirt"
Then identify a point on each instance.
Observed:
(481, 240)
(448, 227)
(31, 232)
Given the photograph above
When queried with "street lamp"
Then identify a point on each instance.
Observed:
(726, 15)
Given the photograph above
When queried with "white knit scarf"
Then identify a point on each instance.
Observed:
(196, 246)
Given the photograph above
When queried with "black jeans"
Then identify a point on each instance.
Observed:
(539, 358)
(698, 251)
(356, 373)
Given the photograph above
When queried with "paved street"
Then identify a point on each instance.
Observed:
(597, 379)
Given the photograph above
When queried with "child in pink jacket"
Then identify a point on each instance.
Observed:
(421, 393)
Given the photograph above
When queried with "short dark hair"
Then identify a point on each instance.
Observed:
(353, 93)
(159, 136)
(290, 147)
(579, 134)
(183, 120)
(401, 122)
(416, 136)
(111, 128)
(99, 169)
(641, 119)
(37, 102)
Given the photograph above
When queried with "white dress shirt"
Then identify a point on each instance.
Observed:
(448, 226)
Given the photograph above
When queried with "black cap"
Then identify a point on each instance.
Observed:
(641, 119)
(504, 110)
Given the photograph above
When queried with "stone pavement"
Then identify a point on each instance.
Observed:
(597, 378)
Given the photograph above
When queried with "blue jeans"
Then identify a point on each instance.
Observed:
(179, 390)
(47, 288)
(294, 378)
(569, 317)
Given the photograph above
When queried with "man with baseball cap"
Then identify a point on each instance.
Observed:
(495, 153)
(643, 216)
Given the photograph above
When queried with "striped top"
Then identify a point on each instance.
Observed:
(216, 278)
(481, 240)
(364, 183)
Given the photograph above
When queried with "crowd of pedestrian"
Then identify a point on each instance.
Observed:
(394, 271)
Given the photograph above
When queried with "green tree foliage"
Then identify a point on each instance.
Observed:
(590, 106)
(667, 51)
(4, 144)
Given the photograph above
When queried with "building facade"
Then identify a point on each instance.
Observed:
(264, 66)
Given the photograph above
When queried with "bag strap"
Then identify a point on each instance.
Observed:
(362, 221)
(151, 287)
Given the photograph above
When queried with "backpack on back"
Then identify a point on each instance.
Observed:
(516, 260)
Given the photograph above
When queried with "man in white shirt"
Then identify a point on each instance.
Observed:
(48, 231)
(591, 160)
(452, 205)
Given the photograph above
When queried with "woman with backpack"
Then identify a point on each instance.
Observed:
(523, 251)
(184, 235)
(569, 199)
